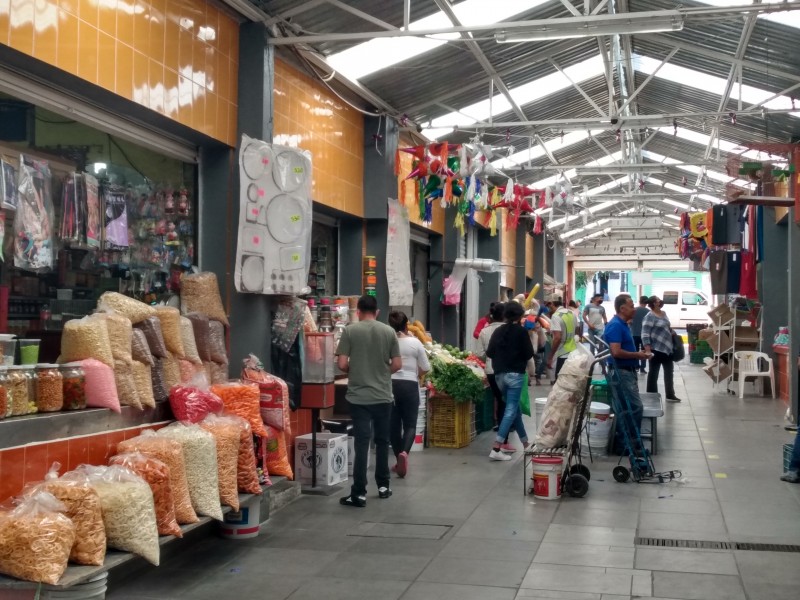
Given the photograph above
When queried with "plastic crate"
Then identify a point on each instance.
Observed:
(451, 424)
(600, 394)
(697, 357)
(484, 412)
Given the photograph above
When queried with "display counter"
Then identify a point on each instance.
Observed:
(782, 366)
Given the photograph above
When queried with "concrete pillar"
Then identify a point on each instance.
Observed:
(539, 262)
(519, 259)
(444, 320)
(794, 307)
(772, 275)
(351, 253)
(489, 289)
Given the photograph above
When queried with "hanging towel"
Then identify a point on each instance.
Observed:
(747, 285)
(734, 259)
(718, 269)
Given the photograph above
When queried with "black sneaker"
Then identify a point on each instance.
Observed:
(357, 501)
(673, 399)
(384, 493)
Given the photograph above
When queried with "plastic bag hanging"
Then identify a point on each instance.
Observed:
(33, 221)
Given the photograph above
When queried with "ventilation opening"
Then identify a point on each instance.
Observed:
(713, 545)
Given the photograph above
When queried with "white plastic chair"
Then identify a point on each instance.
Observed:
(748, 364)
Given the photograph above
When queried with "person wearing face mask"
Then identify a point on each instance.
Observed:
(657, 338)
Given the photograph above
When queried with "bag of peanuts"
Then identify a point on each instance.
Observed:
(86, 338)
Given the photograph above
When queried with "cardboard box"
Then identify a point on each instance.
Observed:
(331, 458)
(720, 343)
(718, 371)
(706, 334)
(721, 315)
(351, 455)
(747, 334)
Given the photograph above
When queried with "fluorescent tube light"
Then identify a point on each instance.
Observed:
(592, 26)
(623, 169)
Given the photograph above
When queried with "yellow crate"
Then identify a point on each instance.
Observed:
(451, 424)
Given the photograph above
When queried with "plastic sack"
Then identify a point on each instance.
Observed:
(82, 506)
(129, 514)
(217, 373)
(241, 399)
(187, 370)
(170, 452)
(126, 306)
(159, 387)
(126, 385)
(86, 338)
(202, 335)
(227, 436)
(143, 381)
(276, 457)
(156, 474)
(171, 371)
(170, 319)
(101, 387)
(151, 327)
(200, 454)
(192, 404)
(33, 221)
(189, 344)
(246, 469)
(273, 394)
(120, 335)
(556, 418)
(200, 293)
(216, 338)
(140, 350)
(36, 539)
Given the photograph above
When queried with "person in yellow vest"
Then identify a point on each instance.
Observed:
(562, 328)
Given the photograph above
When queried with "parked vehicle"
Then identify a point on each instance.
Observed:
(685, 307)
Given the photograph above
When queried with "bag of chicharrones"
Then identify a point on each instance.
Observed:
(36, 538)
(556, 418)
(124, 305)
(83, 507)
(246, 469)
(227, 435)
(129, 513)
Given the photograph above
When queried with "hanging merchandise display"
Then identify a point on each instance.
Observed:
(33, 221)
(398, 261)
(273, 250)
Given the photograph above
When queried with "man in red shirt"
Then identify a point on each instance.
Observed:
(483, 321)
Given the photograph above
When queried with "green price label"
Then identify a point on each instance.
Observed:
(295, 257)
(294, 218)
(299, 170)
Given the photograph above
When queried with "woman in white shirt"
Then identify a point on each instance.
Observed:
(405, 387)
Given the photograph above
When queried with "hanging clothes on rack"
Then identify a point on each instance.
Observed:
(748, 285)
(720, 231)
(734, 259)
(718, 269)
(759, 234)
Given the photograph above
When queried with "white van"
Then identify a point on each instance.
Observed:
(685, 307)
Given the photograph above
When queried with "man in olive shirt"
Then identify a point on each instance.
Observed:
(369, 353)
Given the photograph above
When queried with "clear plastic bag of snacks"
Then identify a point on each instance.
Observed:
(189, 343)
(126, 306)
(216, 339)
(139, 348)
(86, 338)
(241, 399)
(227, 435)
(143, 380)
(200, 293)
(151, 327)
(126, 385)
(193, 404)
(101, 387)
(202, 335)
(120, 334)
(170, 319)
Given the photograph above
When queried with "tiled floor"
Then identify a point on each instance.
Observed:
(459, 527)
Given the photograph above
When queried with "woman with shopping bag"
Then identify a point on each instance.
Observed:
(657, 337)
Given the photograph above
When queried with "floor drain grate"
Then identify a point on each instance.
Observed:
(712, 545)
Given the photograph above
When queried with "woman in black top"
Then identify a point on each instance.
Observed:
(510, 350)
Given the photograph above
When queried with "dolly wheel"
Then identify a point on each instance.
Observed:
(577, 485)
(621, 474)
(581, 470)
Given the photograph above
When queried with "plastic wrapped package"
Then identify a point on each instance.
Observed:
(227, 436)
(246, 471)
(187, 370)
(143, 381)
(129, 513)
(126, 306)
(219, 372)
(209, 368)
(21, 391)
(216, 338)
(126, 385)
(276, 455)
(172, 372)
(120, 334)
(170, 319)
(193, 404)
(36, 539)
(202, 335)
(555, 420)
(140, 350)
(86, 338)
(101, 387)
(33, 220)
(151, 327)
(189, 343)
(156, 474)
(241, 399)
(170, 452)
(200, 293)
(200, 454)
(274, 394)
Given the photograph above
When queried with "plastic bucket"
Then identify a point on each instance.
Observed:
(244, 523)
(539, 405)
(93, 589)
(547, 477)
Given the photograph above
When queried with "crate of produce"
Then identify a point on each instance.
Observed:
(484, 412)
(451, 424)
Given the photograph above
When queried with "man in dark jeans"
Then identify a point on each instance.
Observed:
(369, 353)
(636, 327)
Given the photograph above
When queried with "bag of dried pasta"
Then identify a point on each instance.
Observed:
(227, 435)
(36, 539)
(129, 514)
(189, 342)
(120, 335)
(156, 474)
(170, 319)
(126, 385)
(170, 452)
(83, 507)
(124, 305)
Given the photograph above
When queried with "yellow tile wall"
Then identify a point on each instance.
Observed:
(177, 57)
(307, 115)
(409, 198)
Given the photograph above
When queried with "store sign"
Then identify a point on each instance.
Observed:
(398, 260)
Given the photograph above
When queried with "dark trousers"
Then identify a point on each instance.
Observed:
(637, 340)
(404, 415)
(499, 401)
(559, 364)
(660, 359)
(627, 405)
(366, 419)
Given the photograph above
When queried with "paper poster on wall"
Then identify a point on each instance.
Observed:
(273, 251)
(398, 259)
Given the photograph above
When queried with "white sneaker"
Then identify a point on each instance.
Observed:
(497, 455)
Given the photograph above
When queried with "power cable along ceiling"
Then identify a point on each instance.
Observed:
(718, 75)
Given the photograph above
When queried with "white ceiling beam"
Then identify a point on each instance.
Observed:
(648, 80)
(571, 8)
(288, 14)
(636, 223)
(579, 88)
(362, 15)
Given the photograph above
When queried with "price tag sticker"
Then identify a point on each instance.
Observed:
(295, 218)
(295, 257)
(299, 170)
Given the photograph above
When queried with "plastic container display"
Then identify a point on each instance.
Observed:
(49, 388)
(20, 391)
(8, 349)
(73, 386)
(318, 364)
(3, 392)
(29, 352)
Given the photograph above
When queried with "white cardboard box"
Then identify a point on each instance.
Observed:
(351, 455)
(331, 458)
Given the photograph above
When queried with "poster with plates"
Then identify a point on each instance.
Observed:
(273, 252)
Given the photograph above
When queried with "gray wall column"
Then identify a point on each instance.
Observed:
(519, 260)
(351, 252)
(489, 289)
(772, 276)
(539, 263)
(444, 320)
(794, 309)
(559, 264)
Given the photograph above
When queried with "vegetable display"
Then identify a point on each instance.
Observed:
(456, 380)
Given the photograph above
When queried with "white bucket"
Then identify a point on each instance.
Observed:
(244, 523)
(419, 438)
(93, 589)
(539, 405)
(547, 477)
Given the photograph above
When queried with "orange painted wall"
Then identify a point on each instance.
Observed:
(508, 249)
(529, 256)
(179, 58)
(408, 197)
(307, 115)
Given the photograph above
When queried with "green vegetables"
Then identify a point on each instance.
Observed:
(455, 352)
(456, 380)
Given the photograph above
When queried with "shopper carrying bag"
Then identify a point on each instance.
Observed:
(657, 337)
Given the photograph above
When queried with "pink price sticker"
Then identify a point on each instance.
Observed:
(260, 192)
(256, 240)
(254, 211)
(265, 161)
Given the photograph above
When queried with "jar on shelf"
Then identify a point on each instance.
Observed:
(20, 391)
(74, 386)
(3, 392)
(49, 389)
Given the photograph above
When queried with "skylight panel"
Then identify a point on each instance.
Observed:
(380, 53)
(786, 18)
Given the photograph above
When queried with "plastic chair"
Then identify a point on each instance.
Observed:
(748, 364)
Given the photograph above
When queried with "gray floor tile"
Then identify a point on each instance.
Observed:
(583, 555)
(680, 506)
(502, 530)
(545, 577)
(246, 585)
(352, 565)
(697, 587)
(686, 561)
(425, 590)
(595, 536)
(397, 547)
(285, 561)
(332, 588)
(470, 571)
(578, 515)
(528, 594)
(513, 550)
(709, 523)
(769, 567)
